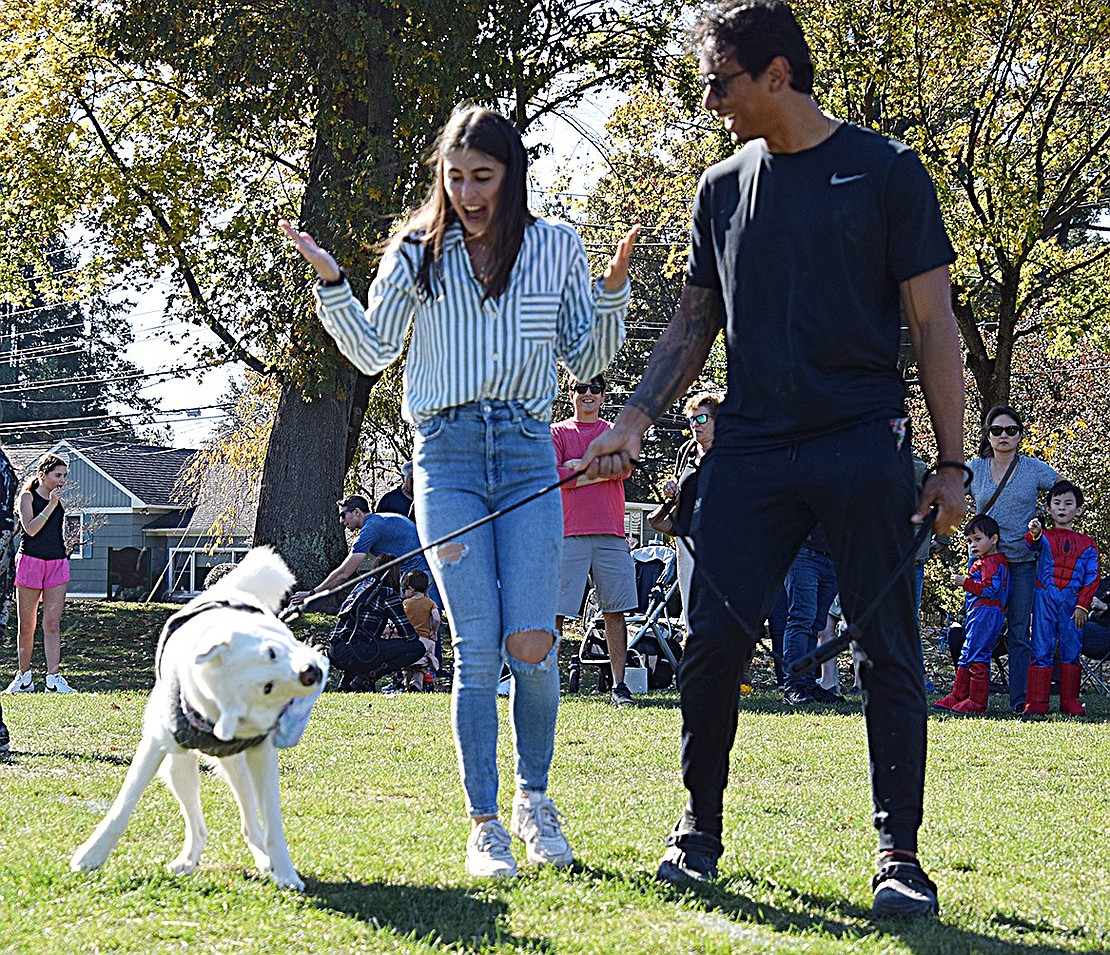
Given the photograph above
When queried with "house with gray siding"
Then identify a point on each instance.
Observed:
(120, 496)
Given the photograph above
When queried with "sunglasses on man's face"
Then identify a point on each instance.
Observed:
(698, 419)
(997, 430)
(592, 387)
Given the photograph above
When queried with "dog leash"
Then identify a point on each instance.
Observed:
(834, 647)
(293, 611)
(849, 638)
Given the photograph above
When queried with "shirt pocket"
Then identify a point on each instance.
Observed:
(538, 312)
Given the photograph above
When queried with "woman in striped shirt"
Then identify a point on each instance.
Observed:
(494, 297)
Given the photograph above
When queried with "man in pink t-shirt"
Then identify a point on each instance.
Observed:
(593, 532)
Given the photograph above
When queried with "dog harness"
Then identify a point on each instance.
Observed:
(191, 729)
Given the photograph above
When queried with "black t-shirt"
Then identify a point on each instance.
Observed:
(396, 502)
(807, 251)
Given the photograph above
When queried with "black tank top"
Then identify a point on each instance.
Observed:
(47, 544)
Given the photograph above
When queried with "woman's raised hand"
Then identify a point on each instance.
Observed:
(617, 272)
(320, 259)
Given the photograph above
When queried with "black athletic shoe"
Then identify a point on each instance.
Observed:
(621, 695)
(5, 741)
(690, 857)
(821, 695)
(902, 889)
(797, 696)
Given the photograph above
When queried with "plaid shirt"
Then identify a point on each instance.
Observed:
(368, 609)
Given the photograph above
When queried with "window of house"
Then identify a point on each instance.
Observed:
(190, 566)
(77, 536)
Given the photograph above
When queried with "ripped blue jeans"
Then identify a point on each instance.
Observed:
(499, 579)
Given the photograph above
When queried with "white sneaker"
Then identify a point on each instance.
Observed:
(537, 823)
(488, 851)
(56, 683)
(23, 683)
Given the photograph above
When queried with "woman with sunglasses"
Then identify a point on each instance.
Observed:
(493, 295)
(679, 493)
(1021, 478)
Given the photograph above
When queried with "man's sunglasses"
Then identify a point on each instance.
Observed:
(719, 84)
(591, 387)
(698, 418)
(997, 430)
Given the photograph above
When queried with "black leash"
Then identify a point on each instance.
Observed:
(835, 646)
(850, 636)
(295, 610)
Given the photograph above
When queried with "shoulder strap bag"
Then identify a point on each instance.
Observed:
(1001, 484)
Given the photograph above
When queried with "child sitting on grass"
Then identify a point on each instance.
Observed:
(988, 588)
(1067, 578)
(424, 615)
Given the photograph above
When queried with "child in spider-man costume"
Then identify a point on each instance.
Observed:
(988, 588)
(1067, 578)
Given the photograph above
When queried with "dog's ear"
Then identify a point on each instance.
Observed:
(227, 724)
(212, 652)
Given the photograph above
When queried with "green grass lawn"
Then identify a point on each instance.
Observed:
(1016, 835)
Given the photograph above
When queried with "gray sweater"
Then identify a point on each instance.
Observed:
(1016, 505)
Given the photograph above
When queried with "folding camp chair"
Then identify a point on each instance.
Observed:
(1094, 655)
(655, 640)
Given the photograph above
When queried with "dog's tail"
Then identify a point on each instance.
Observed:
(262, 574)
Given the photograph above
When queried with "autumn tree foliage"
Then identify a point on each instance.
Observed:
(176, 135)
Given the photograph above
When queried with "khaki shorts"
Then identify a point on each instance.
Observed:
(605, 558)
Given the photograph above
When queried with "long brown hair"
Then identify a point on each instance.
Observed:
(482, 130)
(46, 464)
(392, 577)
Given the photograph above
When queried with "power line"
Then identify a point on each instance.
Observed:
(53, 423)
(59, 382)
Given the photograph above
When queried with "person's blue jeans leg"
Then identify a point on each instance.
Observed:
(776, 624)
(495, 580)
(1019, 611)
(810, 589)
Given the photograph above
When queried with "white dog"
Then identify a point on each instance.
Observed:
(234, 683)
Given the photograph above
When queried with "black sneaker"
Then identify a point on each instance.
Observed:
(903, 890)
(621, 695)
(690, 857)
(5, 740)
(821, 695)
(797, 696)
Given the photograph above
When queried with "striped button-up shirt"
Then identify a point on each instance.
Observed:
(464, 349)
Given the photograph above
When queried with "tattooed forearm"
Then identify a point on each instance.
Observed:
(680, 353)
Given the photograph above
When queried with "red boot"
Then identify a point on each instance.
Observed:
(1037, 689)
(976, 701)
(1069, 690)
(959, 690)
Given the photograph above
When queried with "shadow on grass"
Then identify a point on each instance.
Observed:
(17, 756)
(731, 911)
(460, 919)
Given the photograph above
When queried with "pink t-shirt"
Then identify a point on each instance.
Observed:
(593, 508)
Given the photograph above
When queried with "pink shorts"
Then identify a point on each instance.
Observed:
(40, 574)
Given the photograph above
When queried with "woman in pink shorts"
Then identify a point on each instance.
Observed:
(41, 573)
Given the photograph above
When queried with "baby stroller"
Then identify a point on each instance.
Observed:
(655, 639)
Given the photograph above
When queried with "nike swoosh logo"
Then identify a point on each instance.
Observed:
(838, 180)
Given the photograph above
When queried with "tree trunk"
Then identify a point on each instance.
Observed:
(306, 464)
(316, 429)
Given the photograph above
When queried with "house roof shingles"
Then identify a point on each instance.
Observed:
(147, 471)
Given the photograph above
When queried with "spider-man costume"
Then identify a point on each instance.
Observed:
(1067, 577)
(988, 588)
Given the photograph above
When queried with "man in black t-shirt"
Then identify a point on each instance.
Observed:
(399, 500)
(807, 248)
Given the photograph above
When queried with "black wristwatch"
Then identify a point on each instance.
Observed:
(332, 283)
